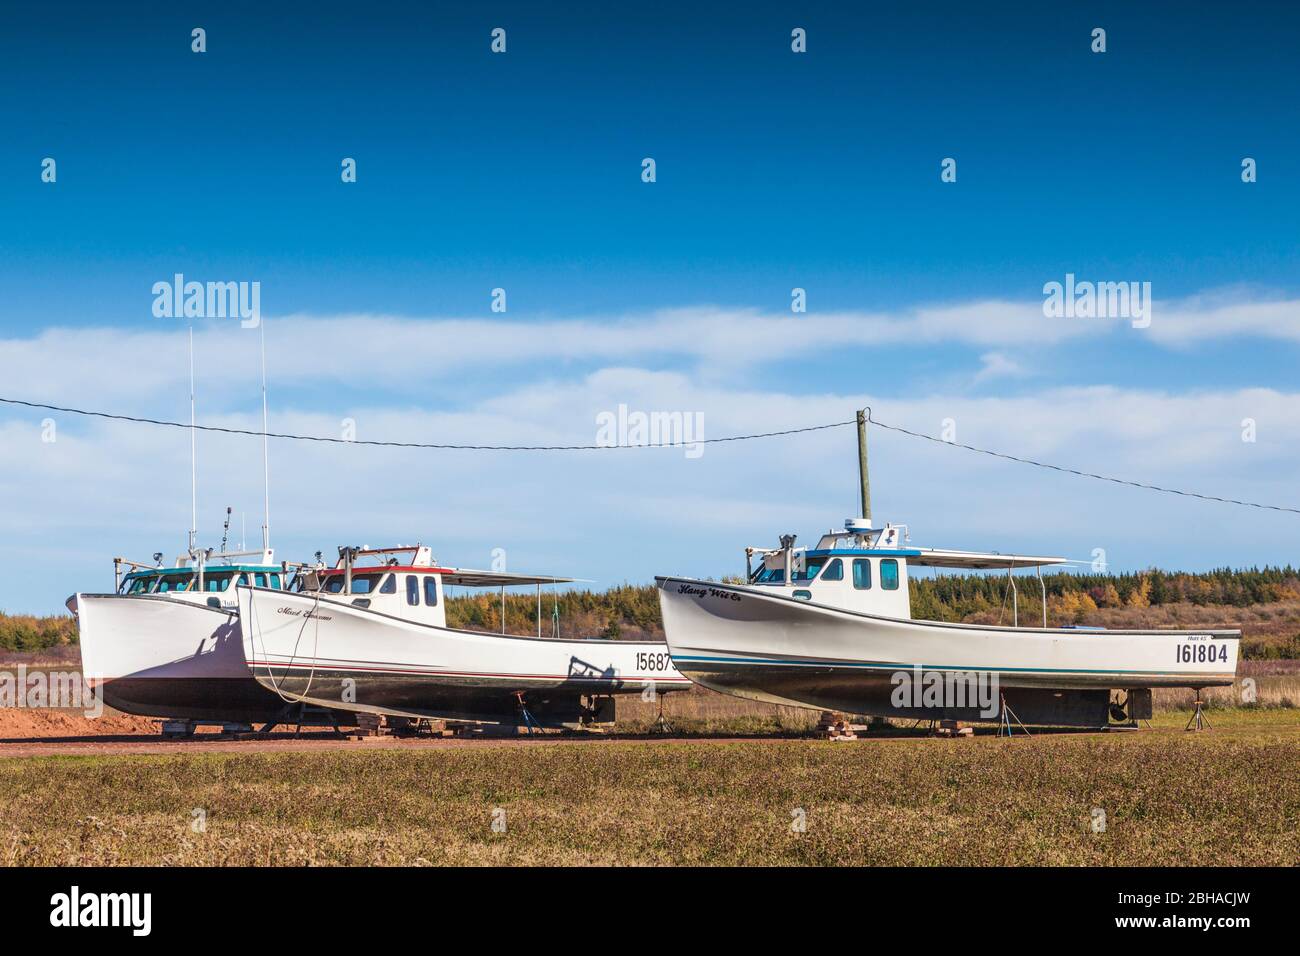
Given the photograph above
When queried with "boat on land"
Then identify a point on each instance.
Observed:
(830, 627)
(167, 642)
(372, 637)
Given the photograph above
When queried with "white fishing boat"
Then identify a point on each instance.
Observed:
(830, 627)
(167, 642)
(373, 638)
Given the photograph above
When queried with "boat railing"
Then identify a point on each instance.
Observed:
(1015, 594)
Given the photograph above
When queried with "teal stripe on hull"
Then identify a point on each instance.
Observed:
(934, 667)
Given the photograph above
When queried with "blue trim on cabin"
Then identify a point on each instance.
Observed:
(864, 553)
(208, 569)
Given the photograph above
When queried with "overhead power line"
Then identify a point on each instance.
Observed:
(414, 444)
(446, 446)
(1082, 474)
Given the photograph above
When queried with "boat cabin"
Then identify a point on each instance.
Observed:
(865, 569)
(407, 582)
(210, 573)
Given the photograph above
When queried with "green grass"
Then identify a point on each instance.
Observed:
(1231, 796)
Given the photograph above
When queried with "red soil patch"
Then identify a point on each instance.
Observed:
(24, 723)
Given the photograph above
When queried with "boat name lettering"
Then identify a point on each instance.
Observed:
(303, 614)
(710, 592)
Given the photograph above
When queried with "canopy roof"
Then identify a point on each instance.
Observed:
(465, 577)
(980, 560)
(489, 579)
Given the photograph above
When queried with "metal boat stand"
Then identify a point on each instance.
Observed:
(529, 722)
(299, 714)
(1005, 728)
(1198, 719)
(661, 724)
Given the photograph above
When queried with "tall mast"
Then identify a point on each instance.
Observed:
(194, 470)
(266, 462)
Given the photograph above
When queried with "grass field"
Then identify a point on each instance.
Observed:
(1230, 796)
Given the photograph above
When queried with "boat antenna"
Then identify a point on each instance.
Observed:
(863, 415)
(225, 530)
(266, 463)
(194, 472)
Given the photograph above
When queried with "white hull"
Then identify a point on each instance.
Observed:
(770, 647)
(168, 656)
(330, 653)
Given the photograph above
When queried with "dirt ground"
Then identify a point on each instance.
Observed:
(21, 723)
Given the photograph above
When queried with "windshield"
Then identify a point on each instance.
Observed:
(138, 585)
(213, 581)
(361, 583)
(811, 569)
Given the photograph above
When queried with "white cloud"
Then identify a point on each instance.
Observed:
(996, 365)
(395, 354)
(1224, 314)
(106, 488)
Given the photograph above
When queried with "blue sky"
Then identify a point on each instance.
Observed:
(775, 170)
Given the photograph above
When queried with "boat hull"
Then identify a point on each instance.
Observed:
(332, 654)
(157, 656)
(776, 649)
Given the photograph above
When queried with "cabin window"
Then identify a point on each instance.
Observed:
(889, 574)
(834, 571)
(174, 582)
(216, 582)
(139, 586)
(389, 585)
(275, 581)
(361, 583)
(862, 574)
(243, 579)
(802, 595)
(260, 578)
(412, 589)
(770, 576)
(809, 572)
(431, 591)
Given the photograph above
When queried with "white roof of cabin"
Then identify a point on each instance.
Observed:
(219, 558)
(943, 558)
(488, 579)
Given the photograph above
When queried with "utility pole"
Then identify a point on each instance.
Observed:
(862, 464)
